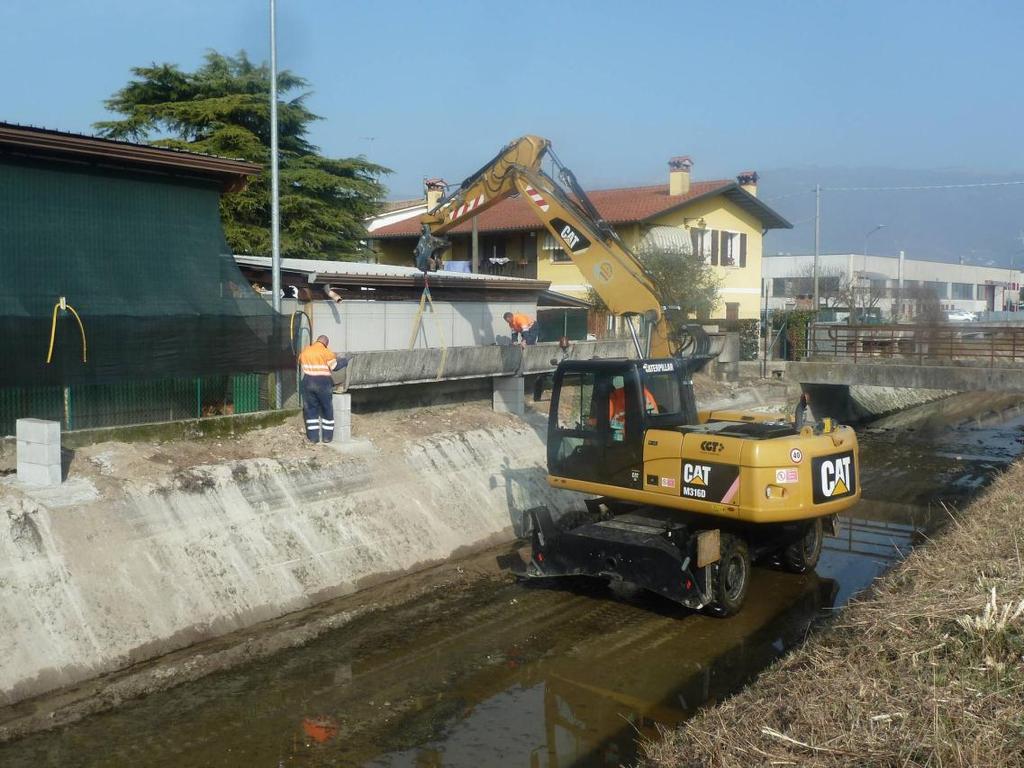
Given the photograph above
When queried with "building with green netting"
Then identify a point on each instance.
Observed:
(120, 302)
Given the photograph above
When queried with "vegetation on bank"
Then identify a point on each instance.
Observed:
(926, 670)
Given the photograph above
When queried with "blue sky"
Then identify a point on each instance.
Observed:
(435, 88)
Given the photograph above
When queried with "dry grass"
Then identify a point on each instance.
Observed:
(926, 670)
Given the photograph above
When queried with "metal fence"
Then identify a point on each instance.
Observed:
(113, 405)
(969, 344)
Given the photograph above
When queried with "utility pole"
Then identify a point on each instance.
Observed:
(275, 213)
(817, 242)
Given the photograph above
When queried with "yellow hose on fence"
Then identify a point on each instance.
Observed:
(291, 327)
(62, 305)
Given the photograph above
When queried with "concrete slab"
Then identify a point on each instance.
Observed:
(357, 446)
(73, 493)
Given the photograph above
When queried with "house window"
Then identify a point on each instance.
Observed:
(941, 290)
(963, 291)
(733, 249)
(728, 251)
(701, 239)
(732, 310)
(554, 251)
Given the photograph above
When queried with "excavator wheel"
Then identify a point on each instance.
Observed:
(803, 554)
(731, 577)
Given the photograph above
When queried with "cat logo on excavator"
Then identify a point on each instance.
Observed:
(834, 477)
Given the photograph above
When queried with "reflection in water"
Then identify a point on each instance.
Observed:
(497, 673)
(585, 707)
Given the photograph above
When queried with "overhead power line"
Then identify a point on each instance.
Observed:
(914, 188)
(924, 187)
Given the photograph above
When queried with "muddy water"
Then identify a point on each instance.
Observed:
(498, 673)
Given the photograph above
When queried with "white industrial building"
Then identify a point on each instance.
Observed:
(888, 286)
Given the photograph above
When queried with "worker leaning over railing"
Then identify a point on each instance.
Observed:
(316, 363)
(524, 328)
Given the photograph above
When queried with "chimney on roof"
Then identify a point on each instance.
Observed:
(748, 181)
(435, 189)
(679, 175)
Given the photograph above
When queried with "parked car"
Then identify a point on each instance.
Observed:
(960, 316)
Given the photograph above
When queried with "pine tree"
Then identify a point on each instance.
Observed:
(223, 108)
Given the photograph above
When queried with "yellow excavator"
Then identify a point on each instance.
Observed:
(680, 502)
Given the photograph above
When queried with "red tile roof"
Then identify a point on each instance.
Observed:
(618, 206)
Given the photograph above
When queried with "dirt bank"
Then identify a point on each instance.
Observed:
(927, 669)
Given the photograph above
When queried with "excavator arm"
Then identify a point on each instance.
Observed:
(572, 220)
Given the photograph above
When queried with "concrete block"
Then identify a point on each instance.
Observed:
(509, 394)
(38, 453)
(38, 431)
(342, 433)
(39, 474)
(342, 402)
(342, 417)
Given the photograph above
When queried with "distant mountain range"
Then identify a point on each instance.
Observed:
(980, 225)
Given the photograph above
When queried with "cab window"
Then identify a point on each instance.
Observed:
(663, 389)
(575, 403)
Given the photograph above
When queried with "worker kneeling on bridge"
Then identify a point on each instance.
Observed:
(316, 363)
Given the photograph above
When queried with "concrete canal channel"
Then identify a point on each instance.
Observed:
(476, 669)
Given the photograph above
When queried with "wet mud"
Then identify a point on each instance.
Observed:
(491, 672)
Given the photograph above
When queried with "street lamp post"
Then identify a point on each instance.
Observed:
(869, 234)
(275, 216)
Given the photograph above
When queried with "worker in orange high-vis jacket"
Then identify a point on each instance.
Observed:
(524, 329)
(316, 363)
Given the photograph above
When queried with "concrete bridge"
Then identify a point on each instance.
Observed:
(963, 357)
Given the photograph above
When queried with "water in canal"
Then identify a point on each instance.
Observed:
(502, 674)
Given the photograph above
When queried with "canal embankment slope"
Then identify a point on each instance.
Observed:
(926, 669)
(154, 546)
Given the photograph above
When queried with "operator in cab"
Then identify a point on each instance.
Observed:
(617, 409)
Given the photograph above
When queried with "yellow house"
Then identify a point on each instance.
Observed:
(722, 219)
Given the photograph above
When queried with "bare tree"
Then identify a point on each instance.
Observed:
(838, 289)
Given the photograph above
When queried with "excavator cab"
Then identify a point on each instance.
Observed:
(601, 410)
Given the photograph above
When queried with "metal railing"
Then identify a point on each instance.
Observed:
(967, 344)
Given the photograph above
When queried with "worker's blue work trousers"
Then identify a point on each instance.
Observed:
(318, 407)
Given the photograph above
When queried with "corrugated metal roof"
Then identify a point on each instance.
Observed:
(325, 270)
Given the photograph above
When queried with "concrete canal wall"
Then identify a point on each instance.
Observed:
(94, 579)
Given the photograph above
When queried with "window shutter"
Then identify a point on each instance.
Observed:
(695, 242)
(743, 250)
(714, 247)
(724, 257)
